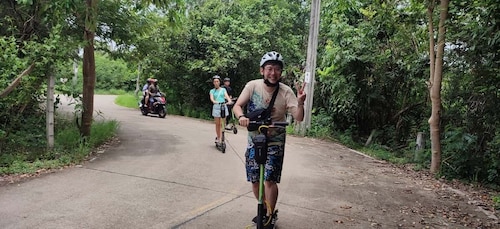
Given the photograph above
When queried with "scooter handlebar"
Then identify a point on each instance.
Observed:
(260, 123)
(225, 103)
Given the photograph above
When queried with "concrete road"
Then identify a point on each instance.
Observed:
(166, 173)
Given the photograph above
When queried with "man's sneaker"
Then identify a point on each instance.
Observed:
(229, 127)
(257, 217)
(272, 222)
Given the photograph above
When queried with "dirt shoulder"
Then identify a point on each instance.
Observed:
(457, 193)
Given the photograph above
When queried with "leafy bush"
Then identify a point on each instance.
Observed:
(112, 74)
(462, 158)
(69, 148)
(496, 201)
(322, 125)
(128, 100)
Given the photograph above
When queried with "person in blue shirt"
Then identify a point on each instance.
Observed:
(146, 85)
(145, 91)
(218, 96)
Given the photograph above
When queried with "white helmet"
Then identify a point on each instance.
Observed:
(272, 56)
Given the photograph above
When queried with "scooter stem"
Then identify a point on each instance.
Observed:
(260, 206)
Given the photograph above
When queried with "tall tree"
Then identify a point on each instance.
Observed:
(88, 67)
(435, 80)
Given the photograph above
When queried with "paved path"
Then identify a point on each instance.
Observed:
(166, 173)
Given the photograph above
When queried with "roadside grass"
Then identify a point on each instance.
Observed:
(127, 100)
(69, 149)
(323, 131)
(496, 202)
(110, 92)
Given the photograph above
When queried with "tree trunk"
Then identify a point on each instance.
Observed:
(88, 67)
(435, 88)
(137, 81)
(432, 52)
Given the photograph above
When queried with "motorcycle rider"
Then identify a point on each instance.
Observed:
(151, 91)
(145, 90)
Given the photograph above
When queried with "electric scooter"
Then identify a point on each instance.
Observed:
(260, 146)
(222, 146)
(234, 121)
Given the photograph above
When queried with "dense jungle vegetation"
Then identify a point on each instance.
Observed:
(371, 77)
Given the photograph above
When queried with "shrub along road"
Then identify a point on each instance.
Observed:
(167, 173)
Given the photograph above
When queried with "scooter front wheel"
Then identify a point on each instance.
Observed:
(144, 111)
(162, 113)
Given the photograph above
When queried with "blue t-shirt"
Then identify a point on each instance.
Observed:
(219, 94)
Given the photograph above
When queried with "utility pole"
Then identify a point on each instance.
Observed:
(50, 110)
(312, 49)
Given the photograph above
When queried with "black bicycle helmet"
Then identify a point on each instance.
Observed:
(227, 79)
(215, 77)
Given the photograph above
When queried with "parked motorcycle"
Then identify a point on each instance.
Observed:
(158, 106)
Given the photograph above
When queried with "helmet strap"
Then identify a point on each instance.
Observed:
(269, 84)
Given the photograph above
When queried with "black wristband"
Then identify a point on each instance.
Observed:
(241, 116)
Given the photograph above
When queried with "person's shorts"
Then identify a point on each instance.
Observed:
(216, 110)
(273, 166)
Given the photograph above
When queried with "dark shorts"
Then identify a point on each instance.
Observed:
(274, 162)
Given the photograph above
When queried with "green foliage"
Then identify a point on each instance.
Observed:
(102, 132)
(470, 93)
(196, 113)
(496, 201)
(322, 125)
(113, 74)
(371, 77)
(38, 42)
(128, 100)
(221, 38)
(69, 148)
(111, 92)
(382, 153)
